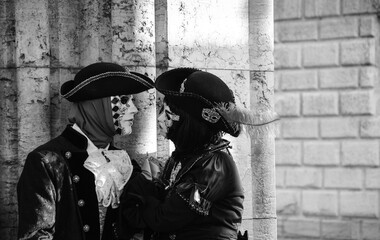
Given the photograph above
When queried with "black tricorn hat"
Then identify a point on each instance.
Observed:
(207, 98)
(104, 79)
(200, 94)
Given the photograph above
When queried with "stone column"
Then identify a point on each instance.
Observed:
(215, 36)
(32, 63)
(162, 64)
(133, 36)
(9, 164)
(261, 45)
(65, 32)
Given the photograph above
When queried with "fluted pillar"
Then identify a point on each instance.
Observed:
(261, 45)
(9, 166)
(133, 36)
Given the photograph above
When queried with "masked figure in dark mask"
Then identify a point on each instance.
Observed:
(199, 194)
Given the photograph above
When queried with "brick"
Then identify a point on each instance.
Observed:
(280, 177)
(358, 52)
(277, 79)
(357, 102)
(357, 6)
(299, 128)
(339, 78)
(359, 204)
(287, 9)
(320, 103)
(287, 202)
(320, 54)
(288, 152)
(287, 104)
(322, 8)
(371, 230)
(360, 153)
(299, 80)
(297, 30)
(339, 127)
(339, 28)
(372, 178)
(303, 177)
(301, 228)
(370, 127)
(321, 153)
(338, 229)
(369, 26)
(320, 203)
(349, 178)
(368, 76)
(287, 56)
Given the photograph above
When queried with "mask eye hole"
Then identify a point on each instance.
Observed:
(124, 99)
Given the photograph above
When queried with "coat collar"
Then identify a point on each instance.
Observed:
(75, 137)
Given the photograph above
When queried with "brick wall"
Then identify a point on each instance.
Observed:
(327, 92)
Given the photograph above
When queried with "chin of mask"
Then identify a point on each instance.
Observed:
(126, 113)
(165, 120)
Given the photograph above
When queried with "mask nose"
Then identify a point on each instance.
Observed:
(133, 109)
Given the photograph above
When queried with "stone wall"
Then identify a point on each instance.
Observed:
(45, 42)
(327, 92)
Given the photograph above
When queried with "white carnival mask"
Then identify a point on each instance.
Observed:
(123, 113)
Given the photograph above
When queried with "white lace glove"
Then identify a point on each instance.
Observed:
(112, 170)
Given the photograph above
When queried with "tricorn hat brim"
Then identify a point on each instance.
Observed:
(100, 80)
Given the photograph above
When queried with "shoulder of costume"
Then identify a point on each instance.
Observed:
(69, 140)
(74, 137)
(206, 179)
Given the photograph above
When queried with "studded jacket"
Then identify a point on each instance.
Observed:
(56, 194)
(202, 199)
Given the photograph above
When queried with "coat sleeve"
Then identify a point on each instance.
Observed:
(36, 196)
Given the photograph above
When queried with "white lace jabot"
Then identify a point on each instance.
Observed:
(112, 170)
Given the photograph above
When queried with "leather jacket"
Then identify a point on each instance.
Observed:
(56, 194)
(203, 200)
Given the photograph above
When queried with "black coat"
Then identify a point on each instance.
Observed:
(205, 201)
(56, 194)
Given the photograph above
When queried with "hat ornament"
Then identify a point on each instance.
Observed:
(210, 115)
(182, 89)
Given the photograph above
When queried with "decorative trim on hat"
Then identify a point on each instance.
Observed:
(100, 76)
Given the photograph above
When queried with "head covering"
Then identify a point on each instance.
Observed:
(207, 98)
(104, 79)
(94, 117)
(91, 90)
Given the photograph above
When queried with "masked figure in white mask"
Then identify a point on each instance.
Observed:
(67, 180)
